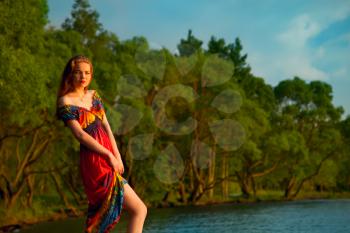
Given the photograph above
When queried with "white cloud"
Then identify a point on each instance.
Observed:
(154, 45)
(331, 11)
(291, 55)
(282, 65)
(295, 57)
(301, 29)
(341, 73)
(320, 52)
(302, 67)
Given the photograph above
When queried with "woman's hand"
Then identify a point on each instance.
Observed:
(116, 164)
(121, 165)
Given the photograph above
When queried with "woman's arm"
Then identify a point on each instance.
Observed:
(111, 137)
(113, 143)
(85, 139)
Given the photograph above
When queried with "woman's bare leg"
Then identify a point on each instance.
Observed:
(136, 208)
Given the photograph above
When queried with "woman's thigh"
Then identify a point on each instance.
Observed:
(132, 202)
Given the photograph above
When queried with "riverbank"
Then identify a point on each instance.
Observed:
(14, 224)
(26, 218)
(262, 196)
(275, 196)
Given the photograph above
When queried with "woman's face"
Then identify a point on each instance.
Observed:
(81, 75)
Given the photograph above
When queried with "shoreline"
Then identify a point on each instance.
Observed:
(18, 226)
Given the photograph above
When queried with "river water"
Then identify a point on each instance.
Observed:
(311, 216)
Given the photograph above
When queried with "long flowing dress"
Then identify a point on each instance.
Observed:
(103, 186)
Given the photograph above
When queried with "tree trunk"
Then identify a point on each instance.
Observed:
(182, 192)
(63, 196)
(14, 196)
(77, 197)
(211, 170)
(224, 174)
(243, 180)
(30, 180)
(289, 186)
(245, 188)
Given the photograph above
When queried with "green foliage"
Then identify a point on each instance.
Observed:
(83, 20)
(249, 134)
(23, 87)
(22, 23)
(190, 45)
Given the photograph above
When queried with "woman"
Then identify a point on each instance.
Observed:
(101, 166)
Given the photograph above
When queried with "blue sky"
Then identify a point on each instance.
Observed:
(283, 39)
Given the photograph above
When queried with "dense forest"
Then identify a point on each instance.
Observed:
(192, 127)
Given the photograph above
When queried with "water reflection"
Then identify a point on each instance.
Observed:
(321, 216)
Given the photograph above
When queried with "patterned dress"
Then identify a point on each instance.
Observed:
(103, 186)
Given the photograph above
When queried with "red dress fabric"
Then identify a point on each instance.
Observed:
(103, 186)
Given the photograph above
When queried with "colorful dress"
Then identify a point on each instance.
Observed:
(103, 186)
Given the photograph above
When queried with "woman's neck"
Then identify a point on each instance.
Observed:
(80, 91)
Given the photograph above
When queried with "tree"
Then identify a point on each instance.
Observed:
(22, 23)
(218, 46)
(83, 20)
(190, 45)
(343, 162)
(308, 110)
(241, 66)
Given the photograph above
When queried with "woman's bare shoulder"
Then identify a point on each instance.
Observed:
(68, 99)
(63, 100)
